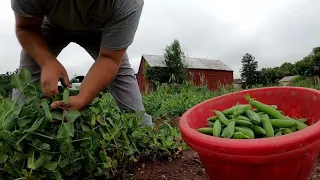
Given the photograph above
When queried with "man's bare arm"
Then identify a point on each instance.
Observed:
(102, 72)
(28, 31)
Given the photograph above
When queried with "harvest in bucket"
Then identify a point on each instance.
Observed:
(252, 120)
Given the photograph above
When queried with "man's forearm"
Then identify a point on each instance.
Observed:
(35, 45)
(99, 76)
(28, 31)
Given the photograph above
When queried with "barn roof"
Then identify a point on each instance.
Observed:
(193, 63)
(287, 78)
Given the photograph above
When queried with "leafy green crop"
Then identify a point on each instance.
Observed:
(37, 142)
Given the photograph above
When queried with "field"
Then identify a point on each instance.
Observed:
(102, 142)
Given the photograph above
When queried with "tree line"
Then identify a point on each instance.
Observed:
(270, 76)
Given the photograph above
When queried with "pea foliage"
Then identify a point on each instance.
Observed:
(37, 142)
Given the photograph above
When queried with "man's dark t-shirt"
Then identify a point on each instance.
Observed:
(117, 19)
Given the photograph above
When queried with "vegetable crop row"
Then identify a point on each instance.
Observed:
(101, 141)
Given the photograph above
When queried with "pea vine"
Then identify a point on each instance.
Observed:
(37, 142)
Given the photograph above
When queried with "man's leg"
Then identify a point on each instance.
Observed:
(124, 88)
(56, 43)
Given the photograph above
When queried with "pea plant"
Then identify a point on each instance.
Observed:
(37, 142)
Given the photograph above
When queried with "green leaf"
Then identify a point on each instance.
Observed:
(57, 115)
(10, 122)
(44, 146)
(3, 158)
(84, 127)
(35, 125)
(15, 82)
(8, 104)
(36, 142)
(9, 169)
(31, 160)
(66, 97)
(18, 109)
(36, 163)
(46, 110)
(18, 156)
(101, 121)
(25, 76)
(72, 115)
(30, 91)
(64, 162)
(62, 132)
(69, 129)
(51, 166)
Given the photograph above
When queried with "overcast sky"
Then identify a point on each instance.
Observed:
(274, 31)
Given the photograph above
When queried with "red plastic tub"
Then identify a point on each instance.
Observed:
(287, 157)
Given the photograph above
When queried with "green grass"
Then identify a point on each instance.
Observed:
(304, 82)
(169, 101)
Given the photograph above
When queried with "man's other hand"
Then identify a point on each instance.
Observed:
(51, 72)
(75, 103)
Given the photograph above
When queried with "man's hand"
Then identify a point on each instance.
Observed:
(50, 75)
(75, 103)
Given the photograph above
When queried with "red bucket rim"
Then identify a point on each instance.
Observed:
(232, 146)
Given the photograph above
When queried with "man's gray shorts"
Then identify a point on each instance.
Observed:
(124, 87)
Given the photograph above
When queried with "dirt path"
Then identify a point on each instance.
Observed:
(187, 167)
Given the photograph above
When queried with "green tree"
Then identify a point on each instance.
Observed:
(249, 71)
(174, 72)
(175, 61)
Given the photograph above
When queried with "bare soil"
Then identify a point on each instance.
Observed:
(187, 166)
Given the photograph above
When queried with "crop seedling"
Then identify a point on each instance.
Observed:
(252, 120)
(37, 142)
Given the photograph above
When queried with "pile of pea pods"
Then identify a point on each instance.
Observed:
(250, 121)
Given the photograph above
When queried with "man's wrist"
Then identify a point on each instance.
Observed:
(85, 98)
(46, 58)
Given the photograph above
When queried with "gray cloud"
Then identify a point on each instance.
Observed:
(273, 31)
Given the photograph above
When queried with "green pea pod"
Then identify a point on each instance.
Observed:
(267, 126)
(243, 122)
(230, 110)
(282, 123)
(206, 130)
(301, 125)
(245, 130)
(288, 118)
(240, 135)
(230, 129)
(217, 128)
(223, 134)
(255, 118)
(258, 130)
(212, 119)
(304, 120)
(242, 108)
(286, 131)
(264, 108)
(279, 133)
(293, 129)
(222, 117)
(243, 118)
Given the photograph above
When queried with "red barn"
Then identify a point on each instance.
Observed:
(201, 71)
